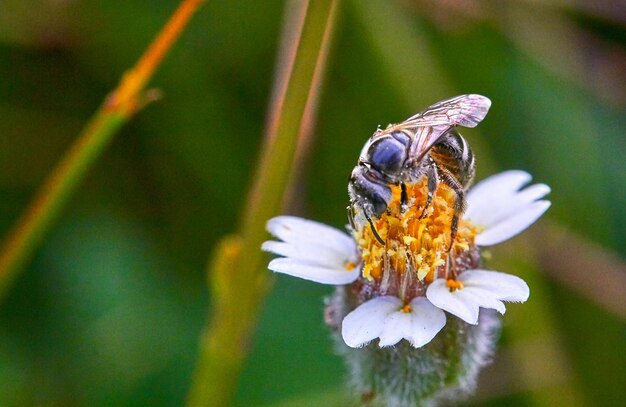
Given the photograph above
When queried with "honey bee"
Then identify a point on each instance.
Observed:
(426, 144)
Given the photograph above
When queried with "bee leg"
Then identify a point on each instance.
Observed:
(404, 199)
(431, 174)
(350, 210)
(459, 203)
(451, 272)
(374, 231)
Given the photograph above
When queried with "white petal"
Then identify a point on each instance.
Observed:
(315, 256)
(511, 205)
(418, 326)
(491, 200)
(456, 303)
(512, 225)
(426, 321)
(300, 231)
(482, 297)
(531, 193)
(505, 287)
(397, 326)
(486, 194)
(310, 272)
(499, 205)
(506, 206)
(366, 322)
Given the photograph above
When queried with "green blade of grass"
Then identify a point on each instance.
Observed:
(237, 274)
(118, 108)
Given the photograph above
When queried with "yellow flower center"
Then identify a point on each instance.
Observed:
(414, 243)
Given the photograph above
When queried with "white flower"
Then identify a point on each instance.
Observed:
(320, 253)
(478, 288)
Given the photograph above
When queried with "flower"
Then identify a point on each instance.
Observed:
(476, 288)
(401, 289)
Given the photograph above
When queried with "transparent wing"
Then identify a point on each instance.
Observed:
(464, 110)
(429, 125)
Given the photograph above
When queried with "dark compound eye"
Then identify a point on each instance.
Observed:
(387, 155)
(372, 193)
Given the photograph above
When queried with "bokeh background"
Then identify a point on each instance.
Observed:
(110, 309)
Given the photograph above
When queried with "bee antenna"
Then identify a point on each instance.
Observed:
(376, 235)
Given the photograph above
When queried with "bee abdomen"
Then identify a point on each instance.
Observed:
(454, 153)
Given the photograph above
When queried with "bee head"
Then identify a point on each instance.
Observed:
(368, 190)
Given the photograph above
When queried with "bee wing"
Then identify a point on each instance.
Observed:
(429, 125)
(464, 110)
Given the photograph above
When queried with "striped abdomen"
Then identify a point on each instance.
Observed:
(454, 155)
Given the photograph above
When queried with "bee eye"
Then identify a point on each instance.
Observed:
(387, 155)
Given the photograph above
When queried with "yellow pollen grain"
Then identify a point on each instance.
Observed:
(414, 244)
(454, 285)
(461, 245)
(407, 308)
(423, 271)
(350, 266)
(377, 271)
(439, 261)
(367, 271)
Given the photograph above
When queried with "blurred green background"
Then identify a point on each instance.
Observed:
(110, 310)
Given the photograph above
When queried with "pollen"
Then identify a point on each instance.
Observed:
(406, 308)
(453, 284)
(417, 241)
(350, 266)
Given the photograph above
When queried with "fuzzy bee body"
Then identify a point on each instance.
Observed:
(453, 154)
(425, 145)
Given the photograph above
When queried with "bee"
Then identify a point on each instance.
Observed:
(426, 144)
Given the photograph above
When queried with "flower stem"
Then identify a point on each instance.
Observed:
(237, 275)
(117, 109)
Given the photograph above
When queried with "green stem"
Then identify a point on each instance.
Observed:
(58, 188)
(238, 276)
